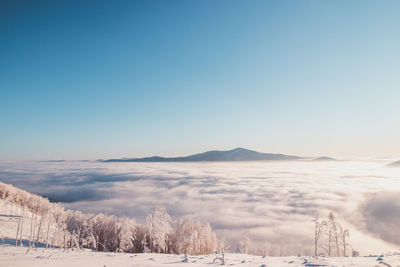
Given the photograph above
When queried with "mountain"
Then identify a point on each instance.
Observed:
(324, 159)
(237, 154)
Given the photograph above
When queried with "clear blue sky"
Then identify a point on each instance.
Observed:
(100, 79)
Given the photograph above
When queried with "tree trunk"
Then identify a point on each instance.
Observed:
(39, 228)
(47, 234)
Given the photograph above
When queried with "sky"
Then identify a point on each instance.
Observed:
(105, 79)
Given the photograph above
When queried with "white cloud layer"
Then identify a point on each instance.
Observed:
(272, 202)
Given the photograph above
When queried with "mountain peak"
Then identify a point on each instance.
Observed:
(240, 149)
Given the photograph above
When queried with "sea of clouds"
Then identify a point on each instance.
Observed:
(271, 202)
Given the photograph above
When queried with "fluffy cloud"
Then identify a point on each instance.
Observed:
(382, 215)
(272, 202)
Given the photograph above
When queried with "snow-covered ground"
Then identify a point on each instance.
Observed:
(11, 256)
(17, 256)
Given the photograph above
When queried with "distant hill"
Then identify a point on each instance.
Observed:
(237, 154)
(395, 164)
(324, 159)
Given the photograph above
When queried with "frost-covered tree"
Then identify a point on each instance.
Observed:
(56, 226)
(318, 232)
(158, 226)
(344, 233)
(193, 238)
(245, 244)
(330, 235)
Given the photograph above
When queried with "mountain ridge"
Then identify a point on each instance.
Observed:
(237, 154)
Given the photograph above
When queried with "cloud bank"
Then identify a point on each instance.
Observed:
(272, 202)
